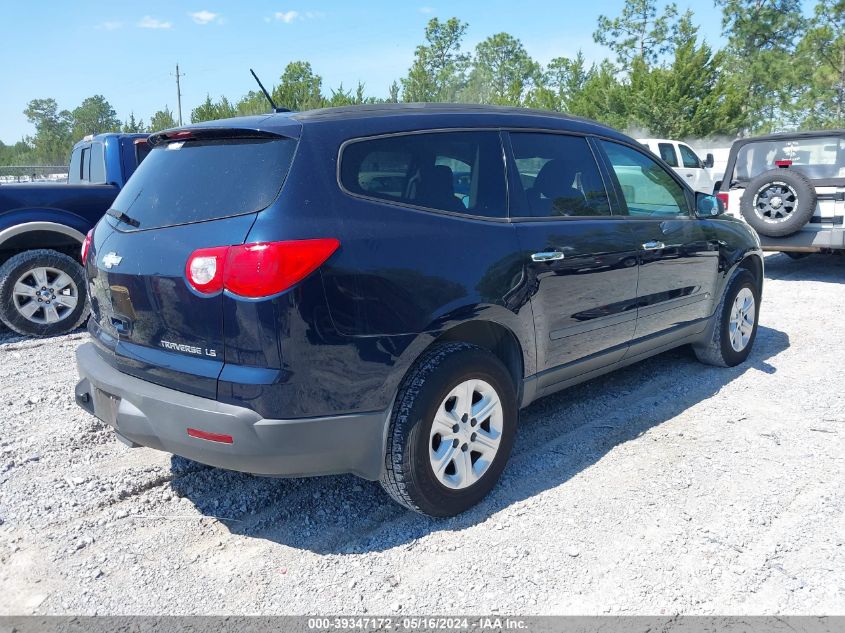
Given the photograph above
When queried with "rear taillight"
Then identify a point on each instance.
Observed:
(256, 270)
(724, 198)
(86, 246)
(204, 269)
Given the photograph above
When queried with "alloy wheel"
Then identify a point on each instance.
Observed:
(45, 295)
(775, 202)
(741, 324)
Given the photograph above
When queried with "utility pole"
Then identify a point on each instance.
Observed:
(179, 93)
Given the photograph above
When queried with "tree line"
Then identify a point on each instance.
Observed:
(778, 70)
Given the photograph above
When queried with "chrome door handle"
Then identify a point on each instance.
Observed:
(653, 246)
(547, 256)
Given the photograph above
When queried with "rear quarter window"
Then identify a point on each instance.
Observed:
(198, 180)
(458, 172)
(74, 172)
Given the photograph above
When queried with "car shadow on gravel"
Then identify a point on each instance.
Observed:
(11, 338)
(559, 437)
(823, 268)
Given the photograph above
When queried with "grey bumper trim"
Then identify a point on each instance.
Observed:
(147, 414)
(806, 240)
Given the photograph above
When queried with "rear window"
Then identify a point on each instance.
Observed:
(193, 181)
(461, 172)
(818, 157)
(97, 174)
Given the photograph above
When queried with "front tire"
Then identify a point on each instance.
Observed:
(451, 431)
(42, 293)
(736, 328)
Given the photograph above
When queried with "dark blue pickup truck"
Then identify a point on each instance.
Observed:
(44, 225)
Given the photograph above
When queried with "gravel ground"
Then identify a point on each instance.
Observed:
(668, 487)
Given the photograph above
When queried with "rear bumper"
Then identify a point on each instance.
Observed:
(146, 414)
(806, 240)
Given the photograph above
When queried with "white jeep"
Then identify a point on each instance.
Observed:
(790, 188)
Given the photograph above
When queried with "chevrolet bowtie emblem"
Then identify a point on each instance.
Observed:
(111, 259)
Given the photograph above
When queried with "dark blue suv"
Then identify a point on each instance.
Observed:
(378, 290)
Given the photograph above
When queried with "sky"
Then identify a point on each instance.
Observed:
(128, 51)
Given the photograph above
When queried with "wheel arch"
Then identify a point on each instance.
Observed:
(488, 334)
(40, 234)
(753, 263)
(495, 338)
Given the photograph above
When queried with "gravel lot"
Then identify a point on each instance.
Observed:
(668, 487)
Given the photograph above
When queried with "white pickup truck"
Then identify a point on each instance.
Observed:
(685, 161)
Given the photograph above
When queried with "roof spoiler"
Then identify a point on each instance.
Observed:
(204, 133)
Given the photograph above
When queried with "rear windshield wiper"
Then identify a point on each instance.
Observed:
(120, 215)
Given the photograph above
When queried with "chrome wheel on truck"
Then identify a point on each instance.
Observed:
(45, 295)
(42, 293)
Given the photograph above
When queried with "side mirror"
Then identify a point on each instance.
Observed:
(708, 161)
(707, 206)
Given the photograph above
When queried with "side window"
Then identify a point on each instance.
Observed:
(74, 171)
(559, 175)
(688, 157)
(98, 165)
(667, 153)
(461, 172)
(648, 189)
(85, 167)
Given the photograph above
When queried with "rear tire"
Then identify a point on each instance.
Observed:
(736, 328)
(451, 431)
(42, 293)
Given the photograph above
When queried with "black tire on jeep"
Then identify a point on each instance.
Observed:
(451, 430)
(778, 202)
(42, 293)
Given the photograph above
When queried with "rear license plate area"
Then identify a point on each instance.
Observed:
(105, 406)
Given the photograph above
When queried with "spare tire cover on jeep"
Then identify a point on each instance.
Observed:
(778, 202)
